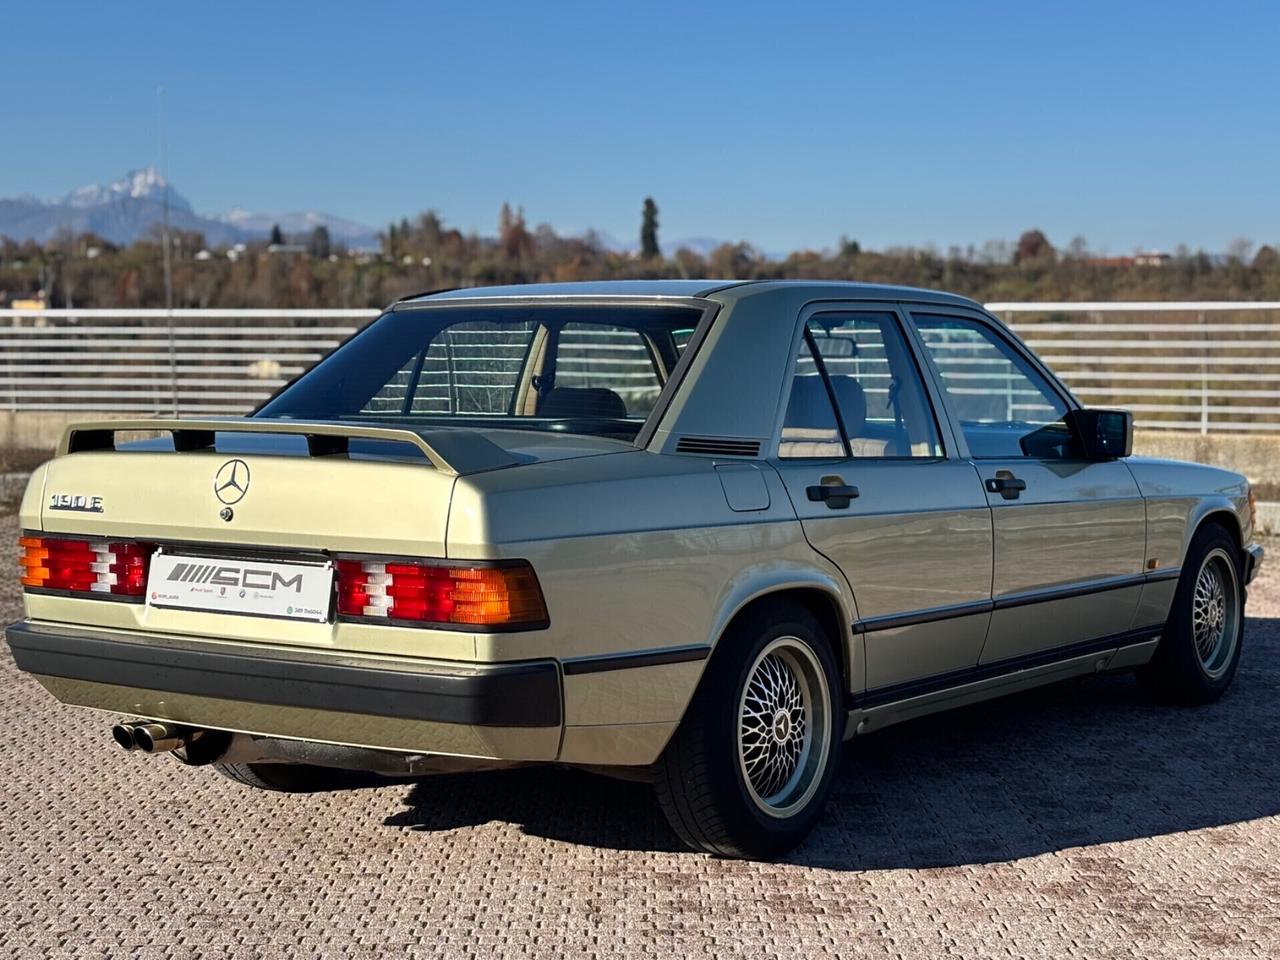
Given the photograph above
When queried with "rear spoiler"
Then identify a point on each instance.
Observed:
(450, 451)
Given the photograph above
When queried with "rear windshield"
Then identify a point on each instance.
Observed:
(578, 369)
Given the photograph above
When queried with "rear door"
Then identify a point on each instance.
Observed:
(867, 466)
(1070, 534)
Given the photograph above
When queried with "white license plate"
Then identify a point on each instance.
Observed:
(259, 588)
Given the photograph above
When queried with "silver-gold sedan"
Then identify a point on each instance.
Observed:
(700, 532)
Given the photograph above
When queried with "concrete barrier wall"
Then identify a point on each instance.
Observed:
(1257, 456)
(32, 435)
(38, 430)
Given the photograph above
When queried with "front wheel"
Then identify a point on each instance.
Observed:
(1200, 647)
(749, 769)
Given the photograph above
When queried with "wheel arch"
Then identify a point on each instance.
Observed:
(816, 591)
(1220, 515)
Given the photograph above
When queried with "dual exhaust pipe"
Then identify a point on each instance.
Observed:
(198, 746)
(149, 737)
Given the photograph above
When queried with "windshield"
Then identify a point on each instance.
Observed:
(579, 369)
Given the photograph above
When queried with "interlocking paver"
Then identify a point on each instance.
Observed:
(1076, 821)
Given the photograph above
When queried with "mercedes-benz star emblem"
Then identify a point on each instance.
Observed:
(231, 482)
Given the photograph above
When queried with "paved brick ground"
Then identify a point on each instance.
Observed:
(1077, 821)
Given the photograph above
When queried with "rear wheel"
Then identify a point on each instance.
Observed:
(1200, 647)
(285, 777)
(748, 771)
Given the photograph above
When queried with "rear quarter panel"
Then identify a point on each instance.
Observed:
(634, 552)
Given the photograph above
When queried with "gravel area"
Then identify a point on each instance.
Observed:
(1076, 821)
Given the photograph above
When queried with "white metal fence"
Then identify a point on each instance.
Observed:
(1207, 366)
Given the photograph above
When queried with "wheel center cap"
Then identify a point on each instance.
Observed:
(781, 726)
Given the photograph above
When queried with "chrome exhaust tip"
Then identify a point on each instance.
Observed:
(123, 734)
(158, 737)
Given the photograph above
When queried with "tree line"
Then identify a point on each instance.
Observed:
(425, 253)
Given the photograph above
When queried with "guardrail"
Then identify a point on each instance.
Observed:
(1205, 366)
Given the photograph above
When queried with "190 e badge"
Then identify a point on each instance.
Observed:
(75, 501)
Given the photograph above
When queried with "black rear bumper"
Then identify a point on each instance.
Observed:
(523, 694)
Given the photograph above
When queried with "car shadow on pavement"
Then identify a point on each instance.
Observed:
(1075, 764)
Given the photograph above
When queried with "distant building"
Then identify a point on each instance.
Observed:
(33, 302)
(1143, 258)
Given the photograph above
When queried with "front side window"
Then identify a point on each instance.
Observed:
(1004, 406)
(876, 385)
(579, 369)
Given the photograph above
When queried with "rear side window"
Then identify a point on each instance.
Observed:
(877, 388)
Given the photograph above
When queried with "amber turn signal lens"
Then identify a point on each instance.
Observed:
(506, 596)
(85, 566)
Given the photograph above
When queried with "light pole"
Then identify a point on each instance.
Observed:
(168, 252)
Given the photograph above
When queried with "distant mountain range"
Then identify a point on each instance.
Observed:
(127, 209)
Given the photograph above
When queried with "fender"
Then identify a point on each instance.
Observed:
(1237, 507)
(768, 577)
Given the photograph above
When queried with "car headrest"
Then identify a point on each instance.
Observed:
(853, 403)
(596, 402)
(810, 407)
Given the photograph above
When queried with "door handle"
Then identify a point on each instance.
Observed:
(833, 491)
(1006, 484)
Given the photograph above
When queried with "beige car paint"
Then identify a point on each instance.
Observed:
(639, 550)
(902, 559)
(1058, 544)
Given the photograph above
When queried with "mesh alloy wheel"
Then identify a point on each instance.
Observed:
(1215, 613)
(784, 727)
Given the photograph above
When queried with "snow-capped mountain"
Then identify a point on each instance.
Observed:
(130, 208)
(144, 184)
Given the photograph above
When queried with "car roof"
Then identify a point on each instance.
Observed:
(689, 288)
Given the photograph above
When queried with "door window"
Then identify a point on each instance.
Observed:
(862, 360)
(1005, 407)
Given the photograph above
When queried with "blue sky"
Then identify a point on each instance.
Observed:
(1133, 124)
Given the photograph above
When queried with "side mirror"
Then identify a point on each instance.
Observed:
(1102, 434)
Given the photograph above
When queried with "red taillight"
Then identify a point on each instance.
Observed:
(506, 596)
(85, 566)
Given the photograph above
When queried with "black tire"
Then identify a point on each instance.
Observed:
(701, 780)
(1194, 663)
(284, 777)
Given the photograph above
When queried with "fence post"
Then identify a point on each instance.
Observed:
(1204, 378)
(173, 359)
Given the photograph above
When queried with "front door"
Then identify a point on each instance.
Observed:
(861, 453)
(1070, 534)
